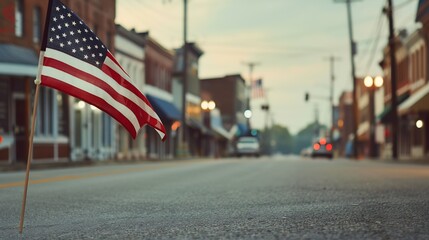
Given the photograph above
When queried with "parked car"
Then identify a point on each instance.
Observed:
(306, 152)
(322, 148)
(247, 146)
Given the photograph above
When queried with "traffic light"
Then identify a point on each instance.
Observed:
(265, 107)
(307, 96)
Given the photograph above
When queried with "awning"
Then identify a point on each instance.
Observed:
(417, 102)
(363, 131)
(166, 110)
(386, 115)
(197, 125)
(17, 61)
(222, 132)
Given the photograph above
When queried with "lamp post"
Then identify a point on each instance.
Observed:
(372, 84)
(207, 107)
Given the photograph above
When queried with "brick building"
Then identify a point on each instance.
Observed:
(20, 40)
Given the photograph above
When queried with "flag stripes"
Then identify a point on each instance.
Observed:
(109, 89)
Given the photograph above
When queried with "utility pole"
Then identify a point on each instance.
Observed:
(332, 60)
(185, 77)
(251, 66)
(352, 60)
(392, 51)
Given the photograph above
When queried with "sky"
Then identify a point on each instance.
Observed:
(290, 40)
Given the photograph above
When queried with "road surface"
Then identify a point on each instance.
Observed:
(265, 198)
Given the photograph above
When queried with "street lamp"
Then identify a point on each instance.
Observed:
(248, 114)
(372, 84)
(208, 105)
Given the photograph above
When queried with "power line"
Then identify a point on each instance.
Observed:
(375, 44)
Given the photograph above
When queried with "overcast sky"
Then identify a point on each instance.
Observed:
(291, 39)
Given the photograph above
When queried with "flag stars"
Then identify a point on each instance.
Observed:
(62, 45)
(74, 23)
(79, 31)
(69, 15)
(84, 39)
(69, 43)
(96, 46)
(86, 56)
(71, 33)
(55, 19)
(53, 29)
(80, 22)
(74, 50)
(51, 39)
(97, 62)
(100, 54)
(90, 38)
(93, 55)
(59, 27)
(81, 49)
(57, 37)
(57, 8)
(66, 25)
(62, 16)
(64, 35)
(89, 47)
(86, 30)
(76, 40)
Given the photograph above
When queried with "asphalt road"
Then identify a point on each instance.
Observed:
(276, 198)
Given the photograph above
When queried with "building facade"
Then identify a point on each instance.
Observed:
(129, 52)
(229, 94)
(158, 89)
(56, 138)
(196, 133)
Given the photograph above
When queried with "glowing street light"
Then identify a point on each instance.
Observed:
(248, 114)
(372, 84)
(208, 105)
(419, 124)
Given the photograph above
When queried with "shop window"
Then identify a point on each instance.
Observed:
(107, 130)
(45, 114)
(37, 24)
(19, 18)
(4, 106)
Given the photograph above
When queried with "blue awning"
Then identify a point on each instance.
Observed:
(165, 110)
(17, 61)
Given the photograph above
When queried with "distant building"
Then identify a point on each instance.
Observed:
(197, 134)
(229, 94)
(159, 63)
(345, 123)
(129, 52)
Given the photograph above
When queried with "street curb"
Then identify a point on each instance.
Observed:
(17, 167)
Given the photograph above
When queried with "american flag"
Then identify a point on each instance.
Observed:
(76, 62)
(257, 89)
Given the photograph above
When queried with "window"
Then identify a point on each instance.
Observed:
(4, 106)
(45, 114)
(107, 130)
(37, 25)
(19, 18)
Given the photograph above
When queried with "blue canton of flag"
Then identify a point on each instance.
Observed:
(68, 34)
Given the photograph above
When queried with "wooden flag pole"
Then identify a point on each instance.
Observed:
(30, 144)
